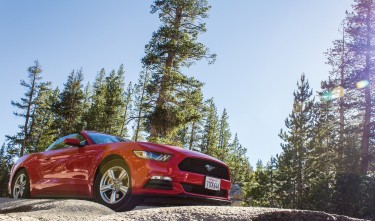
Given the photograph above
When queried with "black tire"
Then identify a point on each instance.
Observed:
(126, 202)
(23, 191)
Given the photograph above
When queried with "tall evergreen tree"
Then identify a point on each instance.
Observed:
(105, 109)
(339, 94)
(259, 186)
(210, 136)
(44, 133)
(87, 94)
(238, 162)
(195, 129)
(114, 102)
(141, 103)
(183, 136)
(322, 157)
(192, 107)
(224, 136)
(126, 117)
(69, 107)
(174, 46)
(195, 135)
(27, 106)
(361, 31)
(296, 140)
(6, 163)
(94, 116)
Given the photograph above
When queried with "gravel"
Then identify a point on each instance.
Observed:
(47, 209)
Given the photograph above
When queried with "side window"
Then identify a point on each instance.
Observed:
(59, 144)
(53, 145)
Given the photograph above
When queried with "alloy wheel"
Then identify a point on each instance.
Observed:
(19, 188)
(114, 185)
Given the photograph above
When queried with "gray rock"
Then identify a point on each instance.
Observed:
(236, 193)
(30, 210)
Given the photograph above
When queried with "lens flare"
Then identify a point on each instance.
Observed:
(362, 84)
(338, 92)
(335, 93)
(326, 96)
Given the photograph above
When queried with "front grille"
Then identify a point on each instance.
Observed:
(202, 191)
(196, 165)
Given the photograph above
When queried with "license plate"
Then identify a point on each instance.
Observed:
(212, 183)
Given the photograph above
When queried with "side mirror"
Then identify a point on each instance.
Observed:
(73, 142)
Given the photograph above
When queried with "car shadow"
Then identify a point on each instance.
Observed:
(26, 208)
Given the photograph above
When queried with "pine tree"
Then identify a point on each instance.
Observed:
(44, 133)
(286, 177)
(69, 107)
(94, 116)
(321, 158)
(296, 140)
(272, 172)
(224, 136)
(338, 93)
(141, 103)
(4, 173)
(258, 189)
(195, 135)
(27, 106)
(87, 102)
(126, 117)
(195, 129)
(105, 109)
(192, 107)
(114, 102)
(210, 136)
(237, 161)
(361, 31)
(183, 136)
(174, 46)
(6, 162)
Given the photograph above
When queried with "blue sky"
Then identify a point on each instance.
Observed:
(262, 47)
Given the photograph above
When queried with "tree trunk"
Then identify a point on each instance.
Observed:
(299, 162)
(366, 132)
(27, 118)
(140, 106)
(124, 121)
(192, 136)
(299, 180)
(128, 100)
(367, 117)
(341, 103)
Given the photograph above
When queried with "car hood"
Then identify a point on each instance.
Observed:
(173, 150)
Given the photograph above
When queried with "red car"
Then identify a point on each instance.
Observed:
(120, 174)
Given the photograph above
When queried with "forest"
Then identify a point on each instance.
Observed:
(327, 159)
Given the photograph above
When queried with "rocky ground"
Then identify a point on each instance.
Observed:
(71, 210)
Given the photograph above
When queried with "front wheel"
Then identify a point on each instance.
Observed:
(21, 185)
(113, 186)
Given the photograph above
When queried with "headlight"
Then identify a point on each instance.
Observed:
(152, 155)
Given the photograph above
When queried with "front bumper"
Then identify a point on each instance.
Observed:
(186, 188)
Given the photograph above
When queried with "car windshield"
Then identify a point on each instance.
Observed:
(99, 138)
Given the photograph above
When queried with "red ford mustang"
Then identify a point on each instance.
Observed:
(120, 174)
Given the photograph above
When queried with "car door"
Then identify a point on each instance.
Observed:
(59, 167)
(78, 169)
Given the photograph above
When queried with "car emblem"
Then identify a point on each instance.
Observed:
(209, 167)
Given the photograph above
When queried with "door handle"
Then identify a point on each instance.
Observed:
(47, 158)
